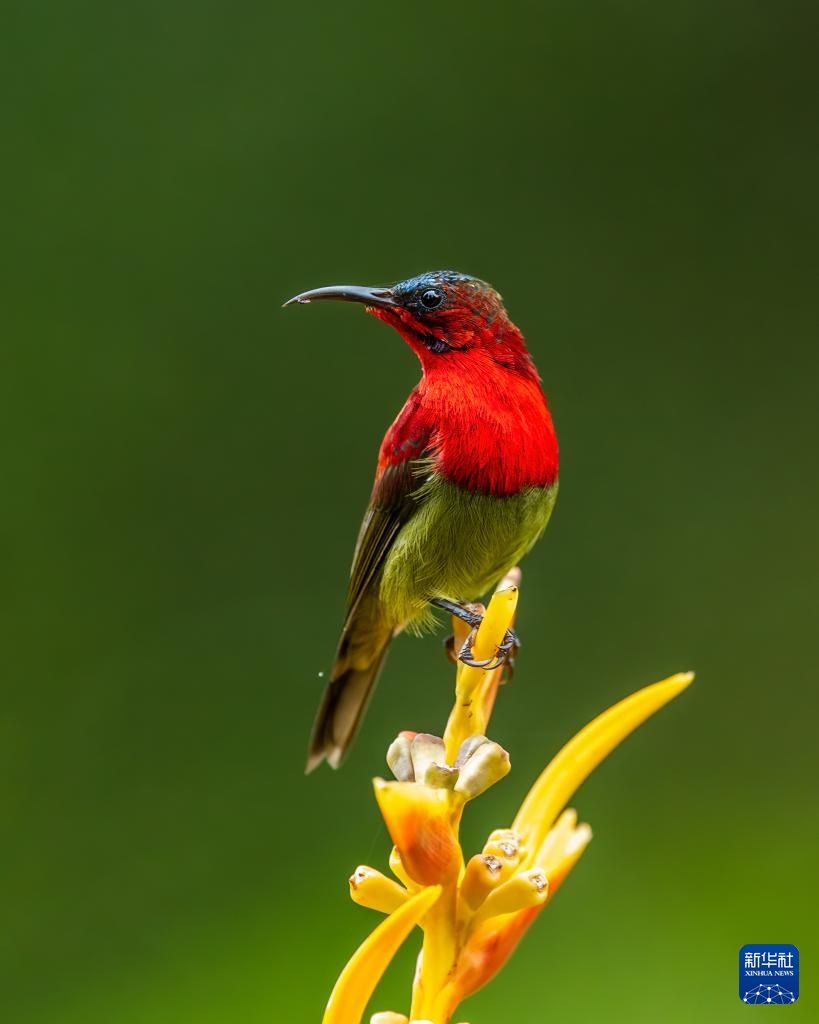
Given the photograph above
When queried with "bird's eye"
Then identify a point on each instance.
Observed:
(431, 298)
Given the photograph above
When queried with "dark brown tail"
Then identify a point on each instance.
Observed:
(361, 654)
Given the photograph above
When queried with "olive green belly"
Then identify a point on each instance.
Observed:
(457, 545)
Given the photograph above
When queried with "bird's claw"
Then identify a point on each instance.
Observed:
(472, 615)
(507, 646)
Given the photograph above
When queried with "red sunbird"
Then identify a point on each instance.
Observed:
(466, 481)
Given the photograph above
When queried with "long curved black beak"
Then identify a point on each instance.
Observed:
(382, 297)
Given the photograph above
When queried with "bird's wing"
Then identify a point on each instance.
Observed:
(394, 499)
(364, 640)
(365, 637)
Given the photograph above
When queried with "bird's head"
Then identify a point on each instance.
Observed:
(441, 313)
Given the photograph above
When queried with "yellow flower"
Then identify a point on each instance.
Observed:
(472, 913)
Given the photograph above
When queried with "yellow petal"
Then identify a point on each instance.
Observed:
(369, 888)
(358, 980)
(528, 888)
(420, 822)
(553, 848)
(577, 843)
(581, 755)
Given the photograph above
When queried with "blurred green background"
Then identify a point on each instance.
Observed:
(185, 466)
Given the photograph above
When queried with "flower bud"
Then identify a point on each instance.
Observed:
(369, 888)
(482, 874)
(441, 776)
(487, 765)
(399, 758)
(468, 748)
(507, 849)
(526, 889)
(426, 750)
(500, 835)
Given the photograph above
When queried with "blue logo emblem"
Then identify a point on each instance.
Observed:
(768, 974)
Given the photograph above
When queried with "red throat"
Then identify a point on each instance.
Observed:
(483, 417)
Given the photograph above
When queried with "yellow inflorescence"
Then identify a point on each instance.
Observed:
(472, 913)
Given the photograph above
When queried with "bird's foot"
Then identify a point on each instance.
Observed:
(467, 613)
(506, 650)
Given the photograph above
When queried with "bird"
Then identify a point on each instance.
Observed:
(465, 483)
